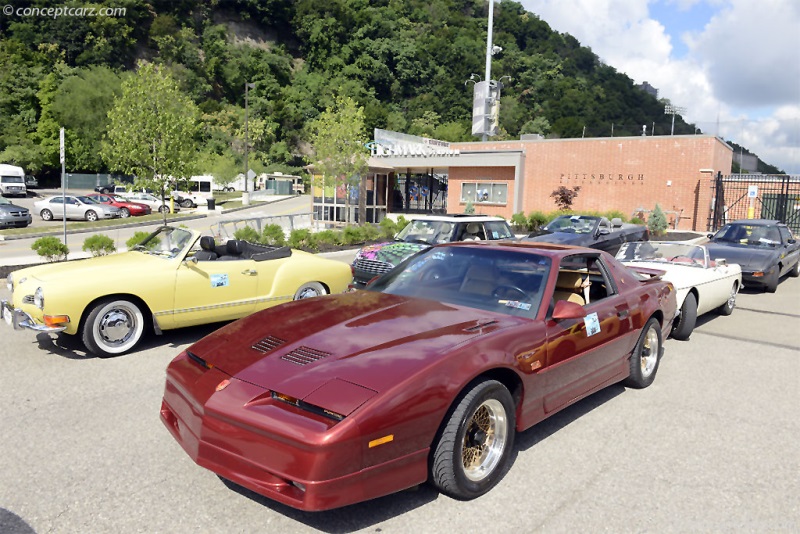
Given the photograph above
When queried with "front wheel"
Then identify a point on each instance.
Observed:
(113, 327)
(795, 272)
(727, 308)
(187, 204)
(91, 216)
(163, 209)
(124, 213)
(309, 290)
(474, 447)
(683, 327)
(646, 356)
(47, 215)
(771, 281)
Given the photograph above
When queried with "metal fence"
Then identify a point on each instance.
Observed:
(759, 196)
(90, 181)
(226, 229)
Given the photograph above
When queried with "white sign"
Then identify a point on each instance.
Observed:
(752, 191)
(61, 139)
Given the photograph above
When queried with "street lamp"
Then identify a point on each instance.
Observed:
(246, 135)
(670, 109)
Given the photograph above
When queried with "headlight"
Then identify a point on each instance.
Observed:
(10, 282)
(38, 298)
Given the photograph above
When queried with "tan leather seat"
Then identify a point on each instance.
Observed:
(568, 287)
(480, 279)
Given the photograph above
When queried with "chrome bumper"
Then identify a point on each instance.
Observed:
(19, 319)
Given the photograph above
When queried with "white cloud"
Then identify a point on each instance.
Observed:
(740, 79)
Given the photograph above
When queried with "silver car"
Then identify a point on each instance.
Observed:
(13, 216)
(76, 207)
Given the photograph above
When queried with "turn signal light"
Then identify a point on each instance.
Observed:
(55, 320)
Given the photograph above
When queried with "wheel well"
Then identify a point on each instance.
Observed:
(148, 315)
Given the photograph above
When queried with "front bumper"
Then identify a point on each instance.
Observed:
(757, 278)
(22, 320)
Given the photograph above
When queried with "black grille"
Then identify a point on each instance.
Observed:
(268, 344)
(304, 356)
(372, 266)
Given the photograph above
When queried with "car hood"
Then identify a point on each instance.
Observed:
(749, 258)
(392, 252)
(560, 238)
(89, 270)
(366, 339)
(12, 207)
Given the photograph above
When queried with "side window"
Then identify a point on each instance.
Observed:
(583, 279)
(786, 235)
(498, 230)
(57, 200)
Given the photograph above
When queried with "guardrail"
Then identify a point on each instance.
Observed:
(227, 228)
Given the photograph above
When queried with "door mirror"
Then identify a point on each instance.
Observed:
(565, 309)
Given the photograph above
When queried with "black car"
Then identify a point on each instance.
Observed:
(13, 216)
(590, 231)
(766, 250)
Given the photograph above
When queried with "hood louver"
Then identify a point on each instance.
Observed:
(268, 344)
(304, 356)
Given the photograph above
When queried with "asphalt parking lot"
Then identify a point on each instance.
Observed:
(712, 446)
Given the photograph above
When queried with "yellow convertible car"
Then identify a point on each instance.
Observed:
(174, 278)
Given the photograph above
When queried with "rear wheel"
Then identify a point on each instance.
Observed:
(91, 215)
(113, 327)
(163, 209)
(646, 356)
(47, 215)
(683, 327)
(310, 290)
(727, 308)
(187, 204)
(474, 447)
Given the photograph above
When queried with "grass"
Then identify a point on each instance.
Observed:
(58, 226)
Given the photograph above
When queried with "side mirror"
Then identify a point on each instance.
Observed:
(792, 241)
(603, 231)
(709, 236)
(192, 260)
(565, 309)
(721, 262)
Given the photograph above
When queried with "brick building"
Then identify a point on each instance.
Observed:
(630, 174)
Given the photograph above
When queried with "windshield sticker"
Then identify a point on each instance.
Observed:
(592, 324)
(219, 280)
(516, 304)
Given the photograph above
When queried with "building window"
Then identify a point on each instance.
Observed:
(484, 192)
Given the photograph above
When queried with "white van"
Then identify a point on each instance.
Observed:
(12, 181)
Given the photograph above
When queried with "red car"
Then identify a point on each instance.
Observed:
(126, 207)
(424, 376)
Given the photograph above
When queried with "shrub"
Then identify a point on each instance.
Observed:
(328, 237)
(51, 248)
(469, 209)
(657, 222)
(303, 238)
(615, 214)
(135, 239)
(537, 219)
(520, 221)
(273, 235)
(248, 233)
(388, 228)
(353, 235)
(637, 220)
(564, 196)
(99, 245)
(402, 222)
(372, 232)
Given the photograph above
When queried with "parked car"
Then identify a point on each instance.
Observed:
(590, 231)
(13, 216)
(703, 285)
(765, 249)
(155, 203)
(126, 207)
(73, 207)
(171, 280)
(189, 200)
(31, 182)
(105, 189)
(422, 233)
(426, 375)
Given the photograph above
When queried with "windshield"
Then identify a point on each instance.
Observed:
(651, 251)
(88, 200)
(430, 232)
(166, 242)
(574, 224)
(502, 281)
(762, 236)
(4, 201)
(13, 179)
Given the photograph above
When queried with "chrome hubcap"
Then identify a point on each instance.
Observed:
(732, 298)
(116, 326)
(649, 355)
(308, 293)
(484, 440)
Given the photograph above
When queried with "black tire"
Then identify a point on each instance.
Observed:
(187, 203)
(646, 356)
(91, 216)
(113, 327)
(163, 208)
(105, 190)
(124, 213)
(771, 281)
(310, 290)
(683, 326)
(474, 447)
(47, 215)
(727, 308)
(795, 272)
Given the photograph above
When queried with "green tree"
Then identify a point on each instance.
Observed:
(657, 222)
(338, 139)
(151, 131)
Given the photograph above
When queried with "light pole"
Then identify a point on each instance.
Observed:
(246, 135)
(670, 109)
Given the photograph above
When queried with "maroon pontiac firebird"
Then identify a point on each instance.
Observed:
(424, 376)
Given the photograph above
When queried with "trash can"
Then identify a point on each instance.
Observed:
(212, 204)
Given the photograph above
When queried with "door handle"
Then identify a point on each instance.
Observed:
(622, 314)
(249, 272)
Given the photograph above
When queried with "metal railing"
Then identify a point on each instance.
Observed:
(227, 228)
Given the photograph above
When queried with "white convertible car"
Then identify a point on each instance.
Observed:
(702, 284)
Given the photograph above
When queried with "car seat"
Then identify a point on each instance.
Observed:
(208, 249)
(568, 287)
(472, 232)
(233, 250)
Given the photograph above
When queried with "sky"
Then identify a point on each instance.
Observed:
(734, 65)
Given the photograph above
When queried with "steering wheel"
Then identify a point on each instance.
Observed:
(683, 259)
(432, 274)
(507, 291)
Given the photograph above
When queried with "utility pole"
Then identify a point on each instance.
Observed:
(670, 109)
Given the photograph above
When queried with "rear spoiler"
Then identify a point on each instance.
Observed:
(646, 271)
